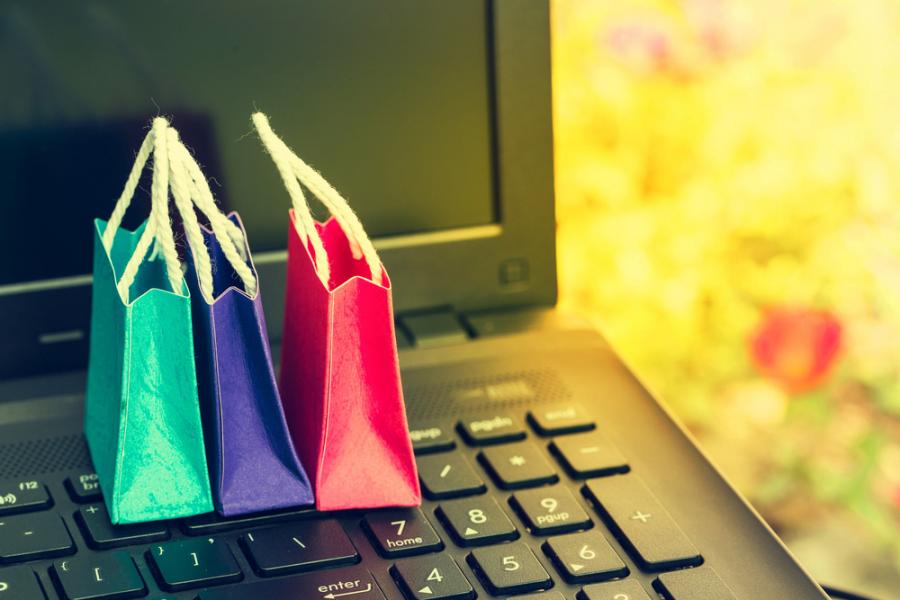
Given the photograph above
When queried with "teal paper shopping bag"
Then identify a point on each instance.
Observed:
(142, 418)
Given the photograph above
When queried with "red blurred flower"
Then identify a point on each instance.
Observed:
(797, 347)
(643, 42)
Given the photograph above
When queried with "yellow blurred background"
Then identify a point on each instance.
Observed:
(728, 192)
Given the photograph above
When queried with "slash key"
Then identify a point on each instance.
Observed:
(448, 476)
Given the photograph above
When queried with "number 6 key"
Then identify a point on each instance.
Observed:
(585, 557)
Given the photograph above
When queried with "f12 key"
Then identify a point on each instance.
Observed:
(23, 496)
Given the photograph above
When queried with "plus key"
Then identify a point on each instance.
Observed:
(642, 524)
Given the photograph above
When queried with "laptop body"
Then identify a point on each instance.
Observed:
(536, 409)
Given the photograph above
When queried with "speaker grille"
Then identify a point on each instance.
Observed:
(503, 391)
(22, 459)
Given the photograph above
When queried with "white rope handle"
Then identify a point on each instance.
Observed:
(159, 226)
(191, 190)
(294, 172)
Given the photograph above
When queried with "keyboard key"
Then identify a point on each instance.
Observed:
(491, 429)
(559, 419)
(516, 466)
(436, 577)
(448, 476)
(589, 455)
(297, 547)
(19, 496)
(476, 522)
(540, 596)
(188, 564)
(84, 487)
(626, 589)
(404, 532)
(209, 523)
(101, 534)
(701, 583)
(550, 510)
(339, 584)
(643, 526)
(98, 577)
(510, 569)
(431, 436)
(585, 557)
(20, 584)
(33, 536)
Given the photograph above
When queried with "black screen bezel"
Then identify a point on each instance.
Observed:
(505, 264)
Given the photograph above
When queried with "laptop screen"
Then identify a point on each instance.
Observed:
(392, 106)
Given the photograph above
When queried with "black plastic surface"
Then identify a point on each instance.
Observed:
(509, 375)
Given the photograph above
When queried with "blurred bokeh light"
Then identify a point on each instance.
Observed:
(728, 189)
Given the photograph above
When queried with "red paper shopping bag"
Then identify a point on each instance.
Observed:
(340, 377)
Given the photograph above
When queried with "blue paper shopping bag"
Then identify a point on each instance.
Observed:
(142, 420)
(253, 464)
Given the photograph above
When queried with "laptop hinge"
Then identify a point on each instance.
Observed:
(440, 328)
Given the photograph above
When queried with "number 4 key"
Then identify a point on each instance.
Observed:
(435, 577)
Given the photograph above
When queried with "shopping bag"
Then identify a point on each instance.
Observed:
(253, 464)
(340, 377)
(142, 419)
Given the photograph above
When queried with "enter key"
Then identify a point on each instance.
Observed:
(340, 584)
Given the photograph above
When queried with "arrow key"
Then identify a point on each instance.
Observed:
(436, 577)
(585, 557)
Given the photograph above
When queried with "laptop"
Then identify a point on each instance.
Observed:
(549, 472)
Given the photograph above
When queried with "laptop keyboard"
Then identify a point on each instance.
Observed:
(543, 507)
